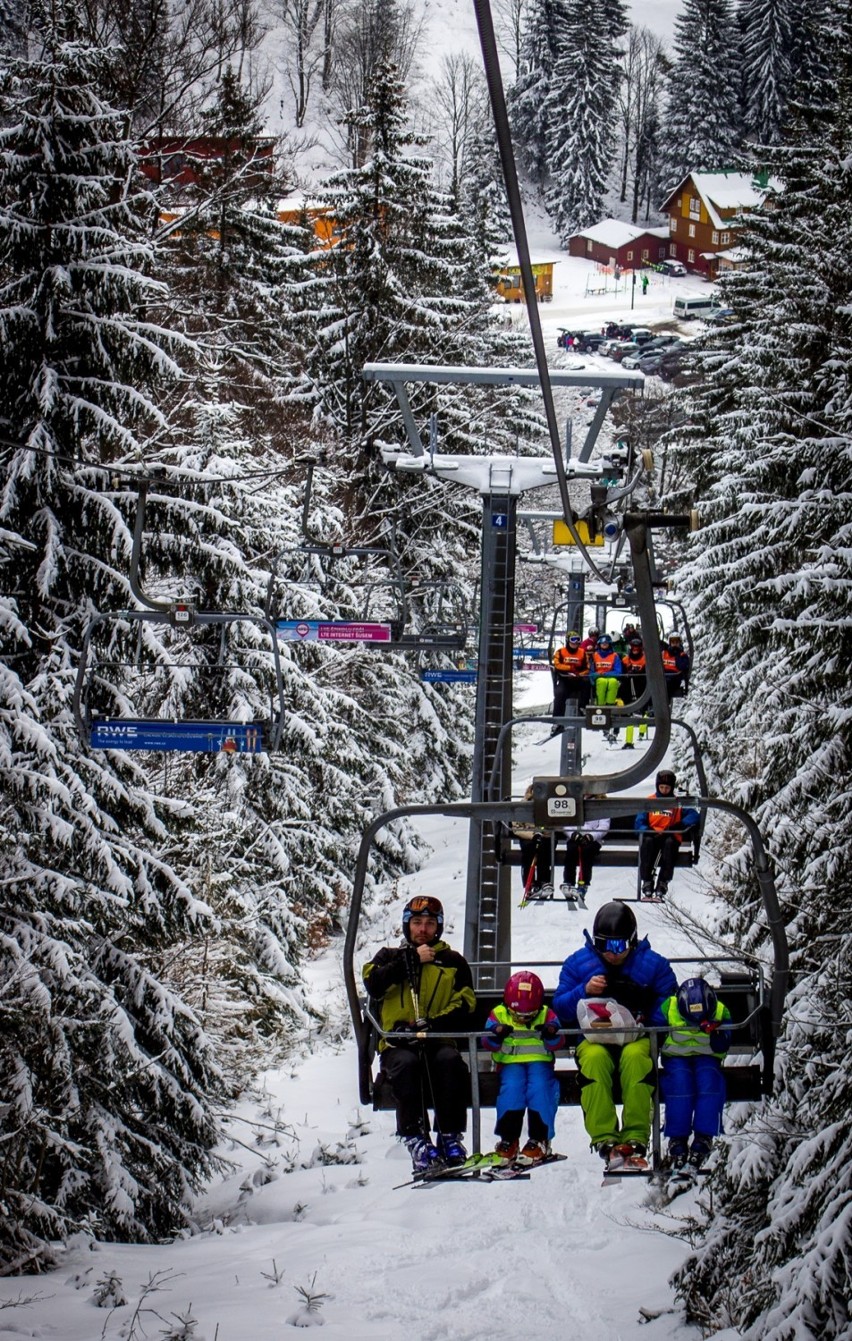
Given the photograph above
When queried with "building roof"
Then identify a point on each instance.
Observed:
(615, 233)
(727, 191)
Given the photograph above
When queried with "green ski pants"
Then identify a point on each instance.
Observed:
(597, 1064)
(606, 689)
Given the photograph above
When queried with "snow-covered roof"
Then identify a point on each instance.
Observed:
(728, 191)
(616, 233)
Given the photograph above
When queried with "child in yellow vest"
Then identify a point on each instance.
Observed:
(523, 1033)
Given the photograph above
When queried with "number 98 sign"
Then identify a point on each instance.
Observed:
(561, 807)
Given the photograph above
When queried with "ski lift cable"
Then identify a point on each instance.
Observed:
(493, 77)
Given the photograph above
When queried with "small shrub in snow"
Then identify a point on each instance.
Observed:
(308, 1315)
(109, 1292)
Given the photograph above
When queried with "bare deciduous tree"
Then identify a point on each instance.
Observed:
(644, 64)
(172, 55)
(460, 104)
(368, 32)
(509, 16)
(304, 55)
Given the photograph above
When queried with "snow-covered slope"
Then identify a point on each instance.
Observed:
(311, 1201)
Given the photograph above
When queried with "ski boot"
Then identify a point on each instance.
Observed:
(505, 1153)
(701, 1146)
(450, 1148)
(534, 1152)
(677, 1154)
(423, 1154)
(629, 1155)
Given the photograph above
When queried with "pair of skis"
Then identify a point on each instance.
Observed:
(478, 1168)
(574, 898)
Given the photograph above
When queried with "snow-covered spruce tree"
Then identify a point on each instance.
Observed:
(404, 284)
(770, 587)
(107, 1077)
(702, 122)
(227, 257)
(529, 102)
(580, 114)
(767, 45)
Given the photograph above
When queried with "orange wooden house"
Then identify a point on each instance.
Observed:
(706, 215)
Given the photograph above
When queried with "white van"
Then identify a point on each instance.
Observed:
(687, 308)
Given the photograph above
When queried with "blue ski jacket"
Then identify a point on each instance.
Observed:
(641, 983)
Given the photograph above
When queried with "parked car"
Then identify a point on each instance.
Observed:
(671, 267)
(670, 363)
(618, 330)
(641, 335)
(723, 316)
(619, 349)
(651, 350)
(564, 337)
(590, 341)
(651, 360)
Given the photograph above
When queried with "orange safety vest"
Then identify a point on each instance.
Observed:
(660, 820)
(604, 664)
(567, 662)
(670, 665)
(634, 663)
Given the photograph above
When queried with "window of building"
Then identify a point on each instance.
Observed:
(672, 249)
(645, 254)
(715, 238)
(692, 230)
(630, 256)
(672, 224)
(690, 256)
(726, 237)
(589, 244)
(694, 208)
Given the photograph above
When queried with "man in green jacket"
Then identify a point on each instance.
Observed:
(424, 989)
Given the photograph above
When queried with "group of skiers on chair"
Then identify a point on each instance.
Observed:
(662, 830)
(608, 991)
(615, 670)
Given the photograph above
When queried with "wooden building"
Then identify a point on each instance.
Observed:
(705, 216)
(612, 242)
(181, 161)
(509, 282)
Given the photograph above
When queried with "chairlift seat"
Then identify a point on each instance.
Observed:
(744, 1070)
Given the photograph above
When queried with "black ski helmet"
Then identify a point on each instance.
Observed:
(614, 922)
(422, 905)
(667, 777)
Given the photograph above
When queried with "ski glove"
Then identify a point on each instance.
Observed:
(548, 1032)
(502, 1031)
(709, 1026)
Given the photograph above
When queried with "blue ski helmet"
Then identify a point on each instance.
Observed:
(696, 1001)
(422, 905)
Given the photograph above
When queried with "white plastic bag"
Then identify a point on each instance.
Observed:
(603, 1020)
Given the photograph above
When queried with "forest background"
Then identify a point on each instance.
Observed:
(155, 918)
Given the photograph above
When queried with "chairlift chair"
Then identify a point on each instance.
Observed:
(110, 682)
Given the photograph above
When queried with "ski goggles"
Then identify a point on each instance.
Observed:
(424, 905)
(615, 946)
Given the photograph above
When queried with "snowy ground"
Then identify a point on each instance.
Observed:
(553, 1257)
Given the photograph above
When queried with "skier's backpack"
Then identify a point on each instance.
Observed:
(603, 1020)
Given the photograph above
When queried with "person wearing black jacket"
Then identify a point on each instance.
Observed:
(424, 989)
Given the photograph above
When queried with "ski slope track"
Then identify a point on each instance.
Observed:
(308, 1200)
